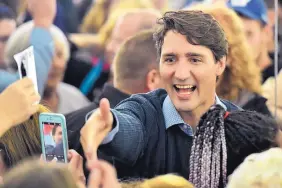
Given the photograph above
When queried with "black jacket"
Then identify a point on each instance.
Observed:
(258, 104)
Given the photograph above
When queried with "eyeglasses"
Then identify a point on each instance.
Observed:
(4, 39)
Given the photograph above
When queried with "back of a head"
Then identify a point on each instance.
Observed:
(34, 174)
(118, 13)
(22, 141)
(224, 140)
(166, 181)
(143, 18)
(129, 23)
(199, 29)
(136, 57)
(163, 181)
(248, 132)
(261, 170)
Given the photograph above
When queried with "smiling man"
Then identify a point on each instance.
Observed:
(151, 134)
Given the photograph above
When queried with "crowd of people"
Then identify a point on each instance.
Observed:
(155, 93)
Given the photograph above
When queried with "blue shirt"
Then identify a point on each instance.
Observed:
(171, 117)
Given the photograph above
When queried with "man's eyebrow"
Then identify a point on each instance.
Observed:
(192, 54)
(168, 54)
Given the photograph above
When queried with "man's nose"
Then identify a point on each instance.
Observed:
(182, 71)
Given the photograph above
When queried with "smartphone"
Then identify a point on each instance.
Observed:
(54, 139)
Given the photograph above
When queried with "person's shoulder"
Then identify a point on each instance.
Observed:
(71, 91)
(230, 106)
(151, 99)
(158, 93)
(152, 96)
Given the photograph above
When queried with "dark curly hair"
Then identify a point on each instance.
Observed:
(222, 142)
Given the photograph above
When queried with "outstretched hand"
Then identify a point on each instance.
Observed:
(102, 175)
(96, 129)
(42, 11)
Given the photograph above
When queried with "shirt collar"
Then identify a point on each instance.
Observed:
(172, 116)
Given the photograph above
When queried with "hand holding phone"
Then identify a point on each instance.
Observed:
(54, 138)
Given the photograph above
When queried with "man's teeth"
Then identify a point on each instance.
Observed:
(184, 87)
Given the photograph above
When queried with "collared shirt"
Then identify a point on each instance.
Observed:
(172, 117)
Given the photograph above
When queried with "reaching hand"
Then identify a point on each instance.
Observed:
(18, 103)
(42, 11)
(102, 175)
(96, 129)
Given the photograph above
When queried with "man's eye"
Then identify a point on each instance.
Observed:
(169, 60)
(195, 60)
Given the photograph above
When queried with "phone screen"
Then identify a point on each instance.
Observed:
(53, 142)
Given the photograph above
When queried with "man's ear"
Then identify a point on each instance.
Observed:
(221, 65)
(153, 80)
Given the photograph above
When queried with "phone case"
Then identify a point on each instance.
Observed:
(54, 118)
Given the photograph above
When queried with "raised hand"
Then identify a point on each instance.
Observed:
(42, 11)
(96, 129)
(102, 175)
(17, 103)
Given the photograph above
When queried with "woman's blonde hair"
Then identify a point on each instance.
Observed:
(259, 170)
(35, 173)
(164, 181)
(242, 73)
(23, 140)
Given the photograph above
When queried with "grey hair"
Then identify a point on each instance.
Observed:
(19, 41)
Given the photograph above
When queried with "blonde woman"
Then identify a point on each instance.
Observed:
(21, 141)
(37, 173)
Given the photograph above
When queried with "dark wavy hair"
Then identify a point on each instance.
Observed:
(198, 27)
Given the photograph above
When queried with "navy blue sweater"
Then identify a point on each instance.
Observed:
(143, 147)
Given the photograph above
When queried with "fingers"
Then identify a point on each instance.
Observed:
(32, 107)
(95, 179)
(26, 86)
(74, 158)
(108, 170)
(54, 160)
(41, 158)
(26, 83)
(105, 109)
(88, 136)
(95, 129)
(102, 174)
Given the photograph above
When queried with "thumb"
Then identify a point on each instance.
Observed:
(105, 110)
